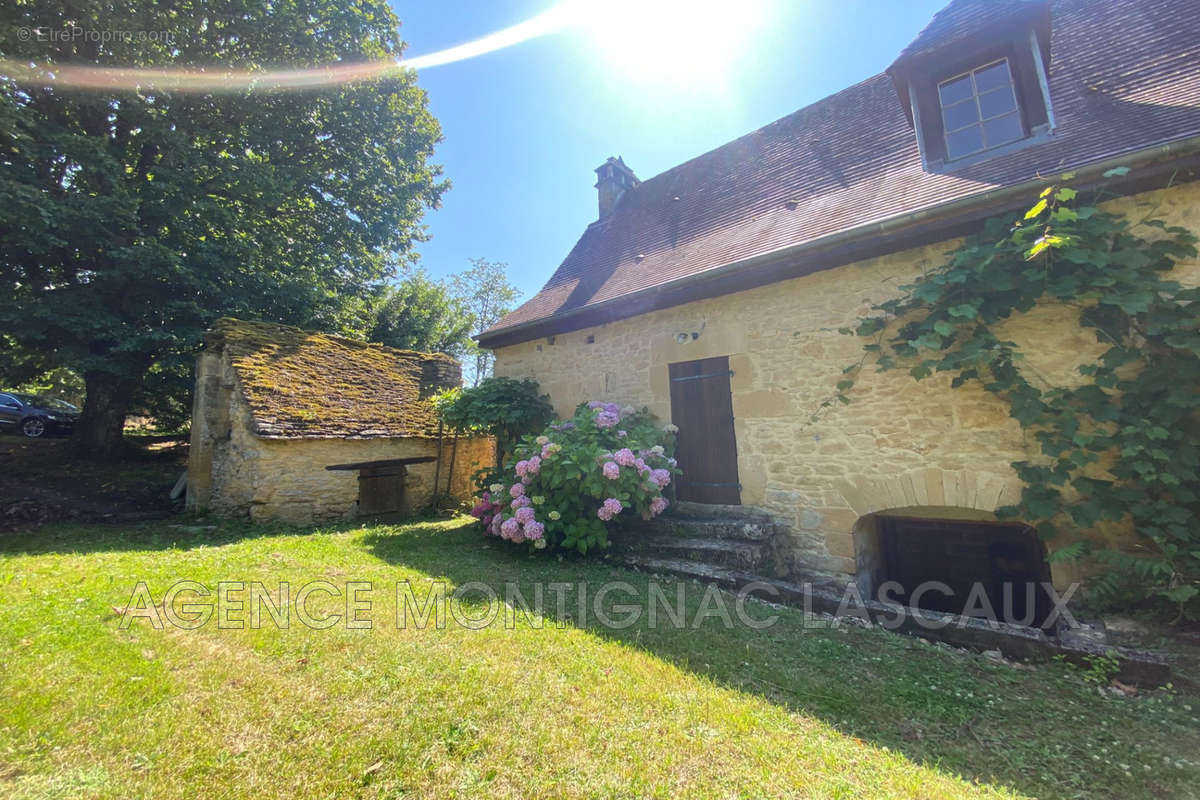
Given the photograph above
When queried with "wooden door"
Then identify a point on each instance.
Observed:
(381, 490)
(702, 408)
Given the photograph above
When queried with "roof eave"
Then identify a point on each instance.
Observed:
(932, 223)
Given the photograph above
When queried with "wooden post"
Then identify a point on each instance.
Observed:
(450, 472)
(437, 470)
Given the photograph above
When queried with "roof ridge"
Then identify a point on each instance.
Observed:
(224, 325)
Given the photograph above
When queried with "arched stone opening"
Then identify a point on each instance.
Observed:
(953, 560)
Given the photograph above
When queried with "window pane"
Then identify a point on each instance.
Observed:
(1001, 101)
(964, 142)
(956, 90)
(993, 77)
(960, 116)
(1003, 129)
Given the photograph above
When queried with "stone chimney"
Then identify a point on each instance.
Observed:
(614, 179)
(439, 373)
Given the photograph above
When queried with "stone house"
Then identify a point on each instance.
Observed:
(712, 293)
(301, 427)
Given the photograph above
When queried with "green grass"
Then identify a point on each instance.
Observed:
(88, 709)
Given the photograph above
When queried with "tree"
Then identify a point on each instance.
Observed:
(488, 296)
(134, 218)
(419, 313)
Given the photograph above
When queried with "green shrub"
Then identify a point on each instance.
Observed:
(501, 407)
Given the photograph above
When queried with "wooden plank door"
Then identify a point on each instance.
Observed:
(381, 490)
(702, 408)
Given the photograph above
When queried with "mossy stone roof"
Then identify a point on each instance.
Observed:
(305, 385)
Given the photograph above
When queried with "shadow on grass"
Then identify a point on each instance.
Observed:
(181, 532)
(1035, 731)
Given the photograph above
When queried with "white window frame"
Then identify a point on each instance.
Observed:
(980, 119)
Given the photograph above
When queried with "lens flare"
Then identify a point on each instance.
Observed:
(652, 38)
(215, 79)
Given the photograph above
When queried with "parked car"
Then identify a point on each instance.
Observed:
(34, 416)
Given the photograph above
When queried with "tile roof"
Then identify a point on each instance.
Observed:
(963, 19)
(1124, 76)
(304, 385)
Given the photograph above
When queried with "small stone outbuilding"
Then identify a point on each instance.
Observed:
(300, 427)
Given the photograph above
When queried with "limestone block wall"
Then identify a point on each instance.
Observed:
(291, 483)
(899, 444)
(232, 472)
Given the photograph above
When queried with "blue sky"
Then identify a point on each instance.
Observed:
(525, 126)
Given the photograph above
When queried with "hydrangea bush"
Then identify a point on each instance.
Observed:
(570, 485)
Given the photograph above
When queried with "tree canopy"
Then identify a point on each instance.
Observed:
(134, 218)
(420, 313)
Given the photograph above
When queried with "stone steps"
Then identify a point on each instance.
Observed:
(748, 529)
(707, 537)
(739, 554)
(683, 568)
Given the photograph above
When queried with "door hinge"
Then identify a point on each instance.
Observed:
(726, 373)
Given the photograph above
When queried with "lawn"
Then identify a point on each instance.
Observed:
(551, 706)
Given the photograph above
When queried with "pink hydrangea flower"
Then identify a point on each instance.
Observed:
(660, 477)
(522, 469)
(535, 465)
(612, 506)
(625, 457)
(517, 490)
(534, 530)
(521, 502)
(658, 505)
(611, 470)
(524, 515)
(641, 465)
(606, 420)
(509, 528)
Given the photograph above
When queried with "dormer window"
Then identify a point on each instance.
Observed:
(974, 83)
(979, 110)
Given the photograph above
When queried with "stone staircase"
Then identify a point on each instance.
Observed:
(704, 542)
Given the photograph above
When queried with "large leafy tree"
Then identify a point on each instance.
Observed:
(420, 313)
(133, 217)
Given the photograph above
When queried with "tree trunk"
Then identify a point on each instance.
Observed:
(102, 423)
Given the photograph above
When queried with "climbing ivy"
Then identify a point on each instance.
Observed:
(1120, 446)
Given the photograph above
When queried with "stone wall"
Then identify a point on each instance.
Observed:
(231, 472)
(900, 444)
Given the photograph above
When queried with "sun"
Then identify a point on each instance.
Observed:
(673, 41)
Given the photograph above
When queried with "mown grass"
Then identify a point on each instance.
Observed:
(556, 706)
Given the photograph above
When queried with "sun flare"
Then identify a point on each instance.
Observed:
(674, 41)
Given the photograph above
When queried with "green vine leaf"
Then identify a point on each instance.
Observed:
(1124, 446)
